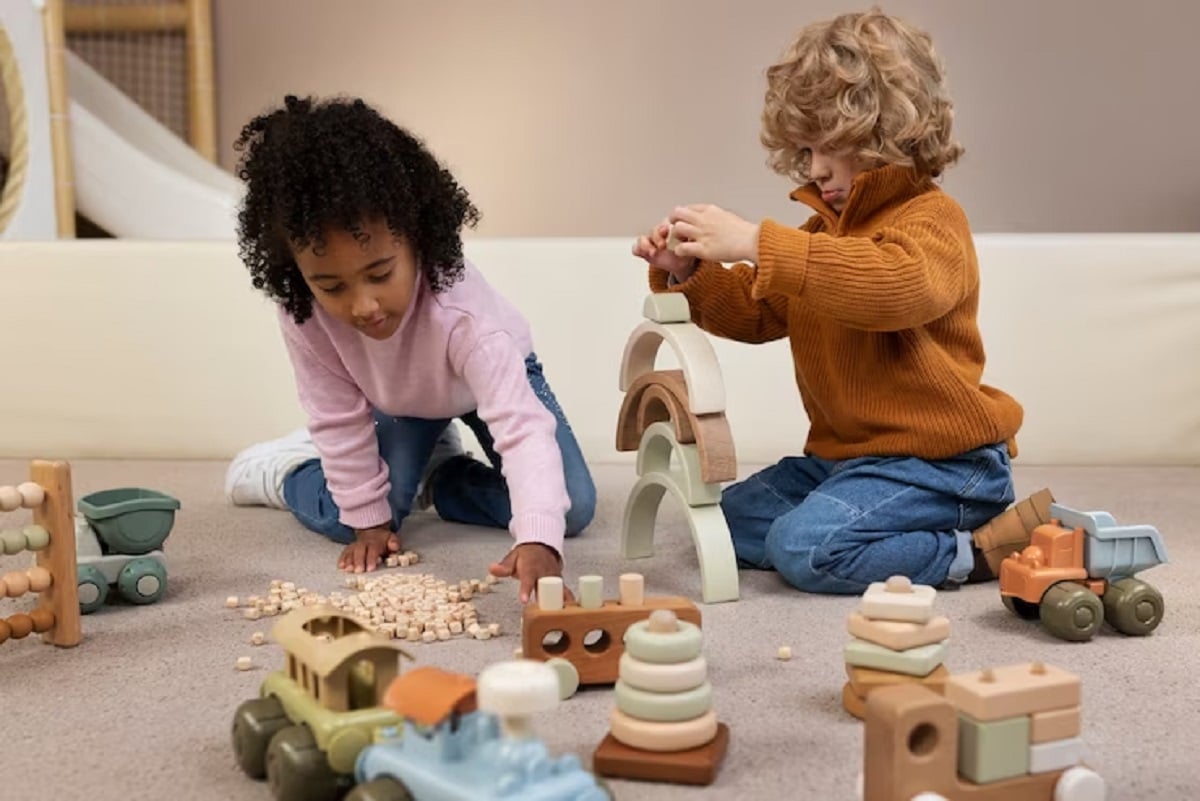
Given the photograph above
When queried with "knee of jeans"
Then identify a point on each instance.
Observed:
(805, 563)
(583, 508)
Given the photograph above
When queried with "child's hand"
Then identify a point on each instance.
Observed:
(370, 546)
(714, 234)
(653, 248)
(527, 563)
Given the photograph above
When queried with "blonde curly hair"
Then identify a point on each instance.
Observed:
(863, 84)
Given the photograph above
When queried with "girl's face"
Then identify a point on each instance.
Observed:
(366, 282)
(834, 175)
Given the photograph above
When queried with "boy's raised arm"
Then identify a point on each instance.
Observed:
(721, 302)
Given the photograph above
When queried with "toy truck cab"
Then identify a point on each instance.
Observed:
(455, 743)
(305, 731)
(1078, 571)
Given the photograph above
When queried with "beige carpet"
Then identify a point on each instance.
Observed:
(142, 708)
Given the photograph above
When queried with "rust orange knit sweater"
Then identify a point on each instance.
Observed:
(880, 306)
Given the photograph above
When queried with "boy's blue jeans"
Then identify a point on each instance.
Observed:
(466, 491)
(836, 526)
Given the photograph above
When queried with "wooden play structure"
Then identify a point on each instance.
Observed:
(36, 40)
(48, 495)
(675, 420)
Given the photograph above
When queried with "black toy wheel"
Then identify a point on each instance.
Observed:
(299, 771)
(385, 789)
(254, 724)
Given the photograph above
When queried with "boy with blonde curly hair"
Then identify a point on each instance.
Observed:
(908, 452)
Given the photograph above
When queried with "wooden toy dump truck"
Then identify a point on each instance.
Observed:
(1078, 571)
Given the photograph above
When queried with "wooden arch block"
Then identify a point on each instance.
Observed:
(659, 451)
(661, 396)
(710, 534)
(706, 389)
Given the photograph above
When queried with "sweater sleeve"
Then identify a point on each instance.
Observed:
(903, 276)
(343, 432)
(722, 303)
(523, 431)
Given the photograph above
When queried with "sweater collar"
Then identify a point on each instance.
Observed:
(870, 191)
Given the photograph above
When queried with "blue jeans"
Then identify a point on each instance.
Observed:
(465, 490)
(836, 526)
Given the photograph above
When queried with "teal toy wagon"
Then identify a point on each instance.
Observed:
(119, 535)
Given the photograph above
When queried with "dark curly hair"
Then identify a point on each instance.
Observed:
(338, 163)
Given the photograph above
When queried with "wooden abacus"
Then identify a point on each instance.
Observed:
(52, 538)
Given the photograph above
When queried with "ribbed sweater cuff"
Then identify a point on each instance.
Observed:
(376, 513)
(546, 529)
(782, 260)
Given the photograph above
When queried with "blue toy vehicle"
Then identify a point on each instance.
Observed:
(459, 741)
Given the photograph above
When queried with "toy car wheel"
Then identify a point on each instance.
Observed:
(254, 724)
(142, 581)
(1020, 607)
(298, 771)
(93, 589)
(1071, 611)
(1133, 607)
(385, 789)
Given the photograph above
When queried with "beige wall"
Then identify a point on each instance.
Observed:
(575, 118)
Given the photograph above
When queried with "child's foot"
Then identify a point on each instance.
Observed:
(1011, 530)
(255, 476)
(448, 445)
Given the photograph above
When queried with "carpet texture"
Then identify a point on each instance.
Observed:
(142, 708)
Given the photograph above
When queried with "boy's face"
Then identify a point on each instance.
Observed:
(833, 175)
(367, 284)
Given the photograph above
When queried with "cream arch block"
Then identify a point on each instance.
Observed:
(706, 389)
(710, 533)
(654, 456)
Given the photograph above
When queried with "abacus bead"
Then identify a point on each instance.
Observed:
(36, 538)
(39, 579)
(43, 620)
(10, 498)
(5, 630)
(12, 541)
(17, 583)
(32, 495)
(22, 625)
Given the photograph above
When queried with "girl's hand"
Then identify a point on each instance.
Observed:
(370, 547)
(714, 234)
(527, 563)
(653, 248)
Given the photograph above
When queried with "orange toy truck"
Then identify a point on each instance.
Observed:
(1078, 571)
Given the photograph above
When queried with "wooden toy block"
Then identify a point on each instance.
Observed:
(920, 661)
(898, 635)
(662, 396)
(1055, 724)
(550, 593)
(631, 589)
(54, 576)
(1055, 754)
(597, 661)
(694, 351)
(710, 534)
(660, 453)
(694, 766)
(1010, 531)
(1009, 690)
(667, 307)
(591, 592)
(898, 599)
(853, 703)
(865, 680)
(673, 239)
(989, 751)
(911, 746)
(784, 653)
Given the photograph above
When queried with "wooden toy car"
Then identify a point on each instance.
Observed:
(1078, 571)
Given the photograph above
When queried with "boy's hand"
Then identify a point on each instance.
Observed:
(653, 248)
(527, 563)
(370, 546)
(714, 234)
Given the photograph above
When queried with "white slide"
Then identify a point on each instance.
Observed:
(137, 179)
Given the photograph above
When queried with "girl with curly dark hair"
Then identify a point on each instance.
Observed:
(353, 228)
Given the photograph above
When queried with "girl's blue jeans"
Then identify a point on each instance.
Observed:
(466, 490)
(836, 526)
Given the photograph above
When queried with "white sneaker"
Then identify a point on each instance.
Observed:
(255, 476)
(448, 445)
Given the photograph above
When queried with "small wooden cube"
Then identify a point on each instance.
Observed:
(244, 663)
